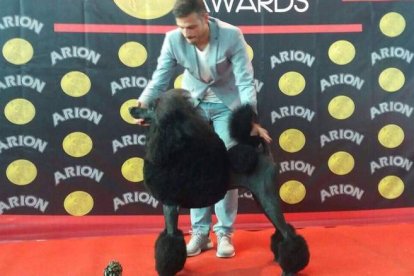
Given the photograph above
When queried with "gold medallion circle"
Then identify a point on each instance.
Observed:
(18, 51)
(145, 9)
(292, 192)
(391, 136)
(77, 144)
(341, 107)
(392, 24)
(132, 169)
(250, 52)
(19, 111)
(124, 111)
(341, 52)
(178, 83)
(292, 83)
(78, 203)
(75, 84)
(391, 79)
(132, 54)
(21, 172)
(391, 187)
(341, 163)
(292, 140)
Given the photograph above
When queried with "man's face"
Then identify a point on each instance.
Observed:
(194, 27)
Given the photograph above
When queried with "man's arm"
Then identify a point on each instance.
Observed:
(162, 75)
(243, 72)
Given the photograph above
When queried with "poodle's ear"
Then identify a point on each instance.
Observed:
(241, 125)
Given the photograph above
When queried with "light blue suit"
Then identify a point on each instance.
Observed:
(232, 82)
(230, 66)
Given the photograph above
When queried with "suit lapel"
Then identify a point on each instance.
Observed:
(212, 57)
(192, 58)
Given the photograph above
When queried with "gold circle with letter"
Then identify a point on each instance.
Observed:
(391, 187)
(341, 107)
(292, 83)
(132, 54)
(124, 111)
(341, 52)
(132, 169)
(145, 9)
(77, 144)
(391, 79)
(75, 84)
(392, 24)
(178, 83)
(391, 136)
(19, 111)
(292, 192)
(78, 203)
(21, 172)
(292, 140)
(18, 51)
(341, 163)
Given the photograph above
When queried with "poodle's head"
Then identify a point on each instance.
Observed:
(172, 102)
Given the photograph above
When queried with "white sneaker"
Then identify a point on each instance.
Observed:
(198, 243)
(225, 248)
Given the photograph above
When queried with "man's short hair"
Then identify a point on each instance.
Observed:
(182, 8)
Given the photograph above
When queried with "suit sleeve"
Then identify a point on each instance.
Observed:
(243, 72)
(162, 75)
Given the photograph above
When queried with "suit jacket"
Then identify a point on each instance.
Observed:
(232, 72)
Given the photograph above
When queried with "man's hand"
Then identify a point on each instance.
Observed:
(258, 130)
(141, 122)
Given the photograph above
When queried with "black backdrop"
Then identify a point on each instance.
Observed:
(335, 88)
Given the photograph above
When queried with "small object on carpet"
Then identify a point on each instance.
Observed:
(114, 268)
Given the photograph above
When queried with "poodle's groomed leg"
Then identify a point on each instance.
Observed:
(289, 249)
(262, 184)
(170, 250)
(171, 218)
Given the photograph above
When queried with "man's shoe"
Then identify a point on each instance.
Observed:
(198, 243)
(225, 248)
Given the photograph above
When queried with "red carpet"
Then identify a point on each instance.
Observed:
(344, 250)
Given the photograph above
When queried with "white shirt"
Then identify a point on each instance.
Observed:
(205, 74)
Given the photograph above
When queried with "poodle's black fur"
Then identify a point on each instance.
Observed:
(187, 165)
(186, 162)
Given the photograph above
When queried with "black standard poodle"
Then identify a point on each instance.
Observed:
(187, 165)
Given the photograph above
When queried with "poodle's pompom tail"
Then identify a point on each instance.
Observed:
(170, 253)
(292, 253)
(243, 158)
(241, 125)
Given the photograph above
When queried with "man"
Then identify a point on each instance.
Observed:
(219, 76)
